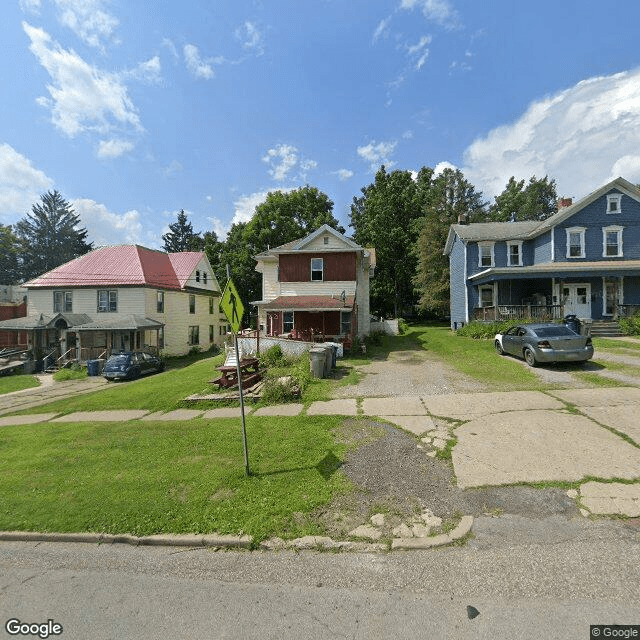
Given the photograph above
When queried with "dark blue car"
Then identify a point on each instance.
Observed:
(129, 365)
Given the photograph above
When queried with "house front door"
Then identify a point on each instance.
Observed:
(577, 299)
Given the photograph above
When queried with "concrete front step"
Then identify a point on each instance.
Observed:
(605, 329)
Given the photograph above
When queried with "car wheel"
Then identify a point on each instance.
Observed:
(530, 358)
(499, 348)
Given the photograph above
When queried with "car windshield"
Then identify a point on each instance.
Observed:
(120, 359)
(553, 332)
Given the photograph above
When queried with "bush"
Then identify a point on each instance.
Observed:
(487, 330)
(195, 350)
(273, 357)
(403, 327)
(298, 376)
(374, 338)
(630, 326)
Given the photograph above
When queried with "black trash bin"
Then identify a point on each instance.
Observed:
(572, 321)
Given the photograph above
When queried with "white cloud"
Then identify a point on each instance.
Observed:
(441, 166)
(283, 159)
(83, 98)
(219, 227)
(419, 52)
(382, 30)
(172, 169)
(441, 12)
(344, 174)
(106, 227)
(202, 68)
(245, 206)
(114, 148)
(21, 184)
(378, 153)
(250, 37)
(583, 137)
(88, 20)
(30, 5)
(149, 71)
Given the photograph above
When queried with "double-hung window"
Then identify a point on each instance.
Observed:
(345, 322)
(486, 254)
(192, 304)
(575, 242)
(194, 335)
(317, 269)
(107, 301)
(514, 254)
(160, 301)
(612, 242)
(62, 301)
(287, 322)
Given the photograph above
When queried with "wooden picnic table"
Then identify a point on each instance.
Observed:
(249, 372)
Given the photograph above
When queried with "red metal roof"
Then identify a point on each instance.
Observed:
(320, 303)
(122, 265)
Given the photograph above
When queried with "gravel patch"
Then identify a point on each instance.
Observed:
(394, 477)
(408, 373)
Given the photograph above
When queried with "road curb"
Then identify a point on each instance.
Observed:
(242, 542)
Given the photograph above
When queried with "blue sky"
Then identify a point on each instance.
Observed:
(134, 110)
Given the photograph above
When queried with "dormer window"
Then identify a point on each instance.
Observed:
(614, 203)
(575, 242)
(514, 254)
(485, 254)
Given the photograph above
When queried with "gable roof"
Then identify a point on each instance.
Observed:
(488, 231)
(301, 243)
(124, 265)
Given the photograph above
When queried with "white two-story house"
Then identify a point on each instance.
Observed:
(318, 285)
(123, 298)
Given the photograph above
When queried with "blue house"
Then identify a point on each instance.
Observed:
(583, 260)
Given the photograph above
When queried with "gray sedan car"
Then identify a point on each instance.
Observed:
(544, 342)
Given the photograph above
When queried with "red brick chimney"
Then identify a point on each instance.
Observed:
(563, 203)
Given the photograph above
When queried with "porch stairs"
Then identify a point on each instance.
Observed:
(605, 329)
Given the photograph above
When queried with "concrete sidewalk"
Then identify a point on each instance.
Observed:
(504, 438)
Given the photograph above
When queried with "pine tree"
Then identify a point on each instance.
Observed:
(50, 236)
(181, 237)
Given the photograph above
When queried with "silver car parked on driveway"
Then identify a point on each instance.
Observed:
(544, 342)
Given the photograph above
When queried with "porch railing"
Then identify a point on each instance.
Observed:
(518, 312)
(626, 310)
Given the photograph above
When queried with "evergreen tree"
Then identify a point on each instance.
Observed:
(50, 236)
(181, 237)
(9, 252)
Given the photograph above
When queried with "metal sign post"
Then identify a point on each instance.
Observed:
(244, 428)
(233, 309)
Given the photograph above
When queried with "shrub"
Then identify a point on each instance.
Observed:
(630, 326)
(273, 357)
(195, 350)
(487, 330)
(374, 338)
(403, 327)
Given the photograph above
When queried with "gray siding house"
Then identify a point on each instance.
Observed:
(583, 260)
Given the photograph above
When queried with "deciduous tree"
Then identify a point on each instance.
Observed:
(537, 200)
(9, 252)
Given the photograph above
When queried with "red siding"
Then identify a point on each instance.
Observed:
(337, 266)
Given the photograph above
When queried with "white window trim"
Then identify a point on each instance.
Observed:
(612, 229)
(516, 243)
(321, 270)
(490, 245)
(614, 197)
(581, 231)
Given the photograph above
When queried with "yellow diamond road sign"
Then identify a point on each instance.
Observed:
(232, 306)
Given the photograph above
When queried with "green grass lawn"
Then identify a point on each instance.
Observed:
(159, 392)
(152, 477)
(15, 382)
